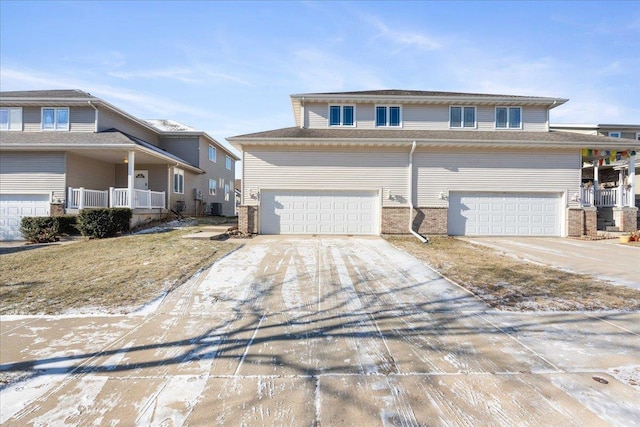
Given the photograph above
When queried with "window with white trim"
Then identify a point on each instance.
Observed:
(226, 192)
(637, 136)
(462, 117)
(342, 115)
(508, 118)
(388, 116)
(213, 187)
(11, 118)
(178, 181)
(615, 134)
(55, 118)
(212, 153)
(228, 162)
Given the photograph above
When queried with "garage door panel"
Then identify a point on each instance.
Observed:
(507, 214)
(13, 207)
(318, 212)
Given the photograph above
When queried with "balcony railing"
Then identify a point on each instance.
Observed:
(81, 198)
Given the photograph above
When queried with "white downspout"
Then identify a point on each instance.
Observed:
(95, 117)
(422, 239)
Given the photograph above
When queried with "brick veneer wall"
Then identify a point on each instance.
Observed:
(56, 209)
(575, 222)
(248, 219)
(582, 222)
(626, 218)
(425, 220)
(590, 221)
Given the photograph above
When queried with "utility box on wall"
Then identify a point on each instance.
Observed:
(197, 194)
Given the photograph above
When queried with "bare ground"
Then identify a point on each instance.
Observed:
(510, 284)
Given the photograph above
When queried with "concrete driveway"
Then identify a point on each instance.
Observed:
(322, 331)
(606, 259)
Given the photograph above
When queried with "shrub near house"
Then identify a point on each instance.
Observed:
(101, 223)
(93, 223)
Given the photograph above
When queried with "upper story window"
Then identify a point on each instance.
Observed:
(615, 134)
(178, 181)
(11, 118)
(228, 162)
(508, 118)
(212, 153)
(341, 115)
(55, 118)
(462, 117)
(388, 116)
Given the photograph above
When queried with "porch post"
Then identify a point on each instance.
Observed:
(632, 181)
(621, 189)
(595, 176)
(130, 178)
(81, 198)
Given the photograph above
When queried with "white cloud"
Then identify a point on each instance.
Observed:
(320, 71)
(403, 39)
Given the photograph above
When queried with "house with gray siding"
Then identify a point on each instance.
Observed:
(423, 162)
(66, 150)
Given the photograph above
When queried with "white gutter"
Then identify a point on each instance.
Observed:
(421, 238)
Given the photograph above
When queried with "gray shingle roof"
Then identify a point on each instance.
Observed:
(46, 94)
(69, 140)
(403, 92)
(438, 137)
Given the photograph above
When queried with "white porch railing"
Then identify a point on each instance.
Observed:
(81, 198)
(148, 199)
(609, 197)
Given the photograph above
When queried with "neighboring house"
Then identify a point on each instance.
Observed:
(64, 150)
(397, 161)
(603, 176)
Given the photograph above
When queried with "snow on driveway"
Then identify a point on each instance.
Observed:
(319, 330)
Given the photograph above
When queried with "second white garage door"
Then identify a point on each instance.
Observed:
(319, 212)
(504, 214)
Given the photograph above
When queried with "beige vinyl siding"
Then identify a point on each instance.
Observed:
(81, 119)
(494, 170)
(216, 171)
(157, 176)
(89, 173)
(325, 169)
(108, 120)
(425, 117)
(32, 173)
(187, 149)
(316, 115)
(31, 119)
(534, 119)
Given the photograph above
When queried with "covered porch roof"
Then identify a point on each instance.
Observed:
(110, 146)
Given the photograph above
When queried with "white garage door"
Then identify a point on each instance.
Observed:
(504, 214)
(14, 206)
(318, 212)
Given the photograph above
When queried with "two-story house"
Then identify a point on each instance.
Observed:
(404, 161)
(65, 150)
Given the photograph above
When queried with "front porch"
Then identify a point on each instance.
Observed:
(83, 198)
(608, 185)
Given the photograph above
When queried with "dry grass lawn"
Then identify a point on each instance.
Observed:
(507, 283)
(114, 275)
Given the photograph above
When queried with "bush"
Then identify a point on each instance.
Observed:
(101, 223)
(67, 224)
(40, 229)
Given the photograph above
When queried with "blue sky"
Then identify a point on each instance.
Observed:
(228, 68)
